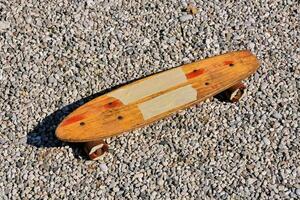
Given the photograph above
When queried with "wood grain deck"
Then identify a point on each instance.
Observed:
(154, 97)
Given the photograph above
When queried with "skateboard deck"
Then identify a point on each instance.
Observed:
(155, 97)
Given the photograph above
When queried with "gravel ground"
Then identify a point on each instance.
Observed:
(56, 55)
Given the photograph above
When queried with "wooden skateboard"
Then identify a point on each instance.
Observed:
(155, 97)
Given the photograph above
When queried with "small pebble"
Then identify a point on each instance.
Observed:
(191, 9)
(251, 181)
(4, 25)
(277, 115)
(185, 18)
(103, 167)
(251, 46)
(298, 191)
(266, 141)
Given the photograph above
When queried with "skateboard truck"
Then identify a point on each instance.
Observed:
(96, 149)
(232, 94)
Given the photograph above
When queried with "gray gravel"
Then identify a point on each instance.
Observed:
(55, 55)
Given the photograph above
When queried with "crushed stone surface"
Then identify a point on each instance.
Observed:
(56, 55)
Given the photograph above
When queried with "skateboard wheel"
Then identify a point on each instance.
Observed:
(232, 94)
(96, 149)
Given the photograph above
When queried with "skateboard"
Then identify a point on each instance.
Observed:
(152, 98)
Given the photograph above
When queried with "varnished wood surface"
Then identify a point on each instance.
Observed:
(129, 107)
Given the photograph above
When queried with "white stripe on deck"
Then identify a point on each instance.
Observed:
(149, 86)
(168, 101)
